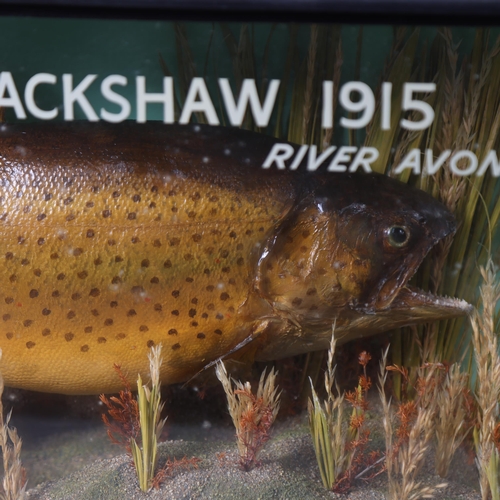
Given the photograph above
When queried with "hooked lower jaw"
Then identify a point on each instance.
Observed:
(426, 304)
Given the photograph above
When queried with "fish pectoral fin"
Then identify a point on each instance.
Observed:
(256, 331)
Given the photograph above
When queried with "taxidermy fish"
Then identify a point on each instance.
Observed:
(116, 238)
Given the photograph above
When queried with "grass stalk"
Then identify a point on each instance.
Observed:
(488, 383)
(150, 407)
(13, 486)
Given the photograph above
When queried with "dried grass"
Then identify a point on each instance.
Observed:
(488, 384)
(13, 486)
(252, 414)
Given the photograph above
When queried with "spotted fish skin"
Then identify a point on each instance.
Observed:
(118, 238)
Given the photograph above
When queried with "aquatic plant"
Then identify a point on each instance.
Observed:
(408, 444)
(13, 486)
(252, 414)
(150, 407)
(485, 340)
(340, 441)
(122, 421)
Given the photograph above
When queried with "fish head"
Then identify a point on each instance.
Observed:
(347, 252)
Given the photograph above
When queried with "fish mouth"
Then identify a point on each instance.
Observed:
(422, 306)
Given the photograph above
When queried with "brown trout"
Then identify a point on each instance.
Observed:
(116, 238)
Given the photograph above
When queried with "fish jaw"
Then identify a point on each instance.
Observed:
(411, 306)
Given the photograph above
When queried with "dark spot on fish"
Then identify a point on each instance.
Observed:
(88, 329)
(9, 335)
(116, 280)
(200, 335)
(296, 302)
(116, 194)
(33, 294)
(150, 343)
(224, 296)
(108, 322)
(174, 242)
(101, 340)
(6, 317)
(219, 316)
(69, 336)
(157, 243)
(204, 315)
(226, 269)
(175, 312)
(175, 293)
(167, 263)
(131, 216)
(240, 261)
(172, 331)
(192, 313)
(76, 296)
(30, 344)
(189, 280)
(54, 256)
(232, 234)
(158, 307)
(46, 332)
(176, 346)
(218, 332)
(143, 328)
(61, 276)
(207, 271)
(131, 312)
(311, 291)
(188, 257)
(196, 238)
(136, 198)
(224, 253)
(37, 272)
(27, 322)
(41, 217)
(9, 300)
(71, 314)
(82, 274)
(111, 242)
(98, 261)
(55, 293)
(145, 263)
(120, 336)
(84, 348)
(118, 259)
(154, 280)
(94, 312)
(106, 213)
(90, 233)
(24, 262)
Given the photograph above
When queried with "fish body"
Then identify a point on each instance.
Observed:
(116, 238)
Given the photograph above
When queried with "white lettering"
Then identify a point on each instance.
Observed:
(312, 162)
(29, 96)
(364, 158)
(460, 155)
(115, 98)
(411, 161)
(204, 105)
(13, 101)
(72, 95)
(299, 157)
(166, 98)
(491, 160)
(327, 111)
(343, 155)
(430, 168)
(248, 94)
(279, 153)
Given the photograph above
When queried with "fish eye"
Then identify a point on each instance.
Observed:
(398, 236)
